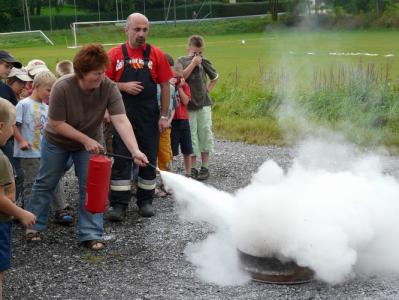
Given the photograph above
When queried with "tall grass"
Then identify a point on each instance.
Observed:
(360, 101)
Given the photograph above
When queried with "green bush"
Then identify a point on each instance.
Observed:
(390, 17)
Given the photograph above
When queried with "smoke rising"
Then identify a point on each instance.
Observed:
(333, 210)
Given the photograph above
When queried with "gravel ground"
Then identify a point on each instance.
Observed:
(144, 258)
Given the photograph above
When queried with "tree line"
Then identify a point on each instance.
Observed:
(10, 9)
(376, 7)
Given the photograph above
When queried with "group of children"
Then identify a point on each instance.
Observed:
(189, 113)
(31, 87)
(175, 136)
(23, 114)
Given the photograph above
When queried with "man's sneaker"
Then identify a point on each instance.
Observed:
(146, 210)
(63, 217)
(117, 213)
(203, 174)
(194, 173)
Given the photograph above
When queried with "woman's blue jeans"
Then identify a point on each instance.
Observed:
(52, 166)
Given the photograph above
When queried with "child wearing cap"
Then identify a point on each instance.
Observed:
(31, 117)
(17, 80)
(8, 209)
(34, 67)
(7, 62)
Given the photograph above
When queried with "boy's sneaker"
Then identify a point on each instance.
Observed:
(203, 174)
(194, 173)
(63, 217)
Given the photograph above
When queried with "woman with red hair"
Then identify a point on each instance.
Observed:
(77, 105)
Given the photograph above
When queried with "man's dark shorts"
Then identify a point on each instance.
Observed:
(5, 246)
(181, 135)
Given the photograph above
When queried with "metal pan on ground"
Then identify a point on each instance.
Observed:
(273, 271)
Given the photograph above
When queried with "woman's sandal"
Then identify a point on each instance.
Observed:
(34, 236)
(94, 245)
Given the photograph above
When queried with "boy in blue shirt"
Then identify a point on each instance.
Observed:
(31, 117)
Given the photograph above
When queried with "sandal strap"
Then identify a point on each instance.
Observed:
(91, 243)
(34, 236)
(62, 212)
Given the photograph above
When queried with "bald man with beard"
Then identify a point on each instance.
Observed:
(137, 67)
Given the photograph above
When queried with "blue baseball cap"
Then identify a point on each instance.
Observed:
(7, 57)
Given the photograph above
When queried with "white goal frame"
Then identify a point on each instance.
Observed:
(123, 23)
(46, 38)
(73, 28)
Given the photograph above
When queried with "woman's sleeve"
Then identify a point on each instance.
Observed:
(57, 107)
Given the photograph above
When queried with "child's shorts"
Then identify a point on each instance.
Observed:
(181, 135)
(5, 245)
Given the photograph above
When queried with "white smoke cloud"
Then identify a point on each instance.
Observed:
(334, 211)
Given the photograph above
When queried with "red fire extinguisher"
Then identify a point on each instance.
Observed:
(97, 186)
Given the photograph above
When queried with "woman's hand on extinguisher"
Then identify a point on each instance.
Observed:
(93, 146)
(140, 158)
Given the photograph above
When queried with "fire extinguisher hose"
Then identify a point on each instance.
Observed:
(125, 157)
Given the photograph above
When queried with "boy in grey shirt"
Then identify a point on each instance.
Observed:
(197, 70)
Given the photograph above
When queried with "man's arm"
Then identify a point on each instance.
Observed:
(64, 129)
(131, 87)
(165, 99)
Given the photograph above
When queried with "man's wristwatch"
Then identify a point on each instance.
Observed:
(164, 117)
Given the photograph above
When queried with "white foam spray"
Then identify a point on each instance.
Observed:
(334, 211)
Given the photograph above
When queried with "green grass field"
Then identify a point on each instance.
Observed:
(299, 52)
(252, 65)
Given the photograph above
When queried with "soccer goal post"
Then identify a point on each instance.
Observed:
(103, 32)
(31, 33)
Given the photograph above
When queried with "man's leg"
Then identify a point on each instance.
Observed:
(148, 142)
(121, 183)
